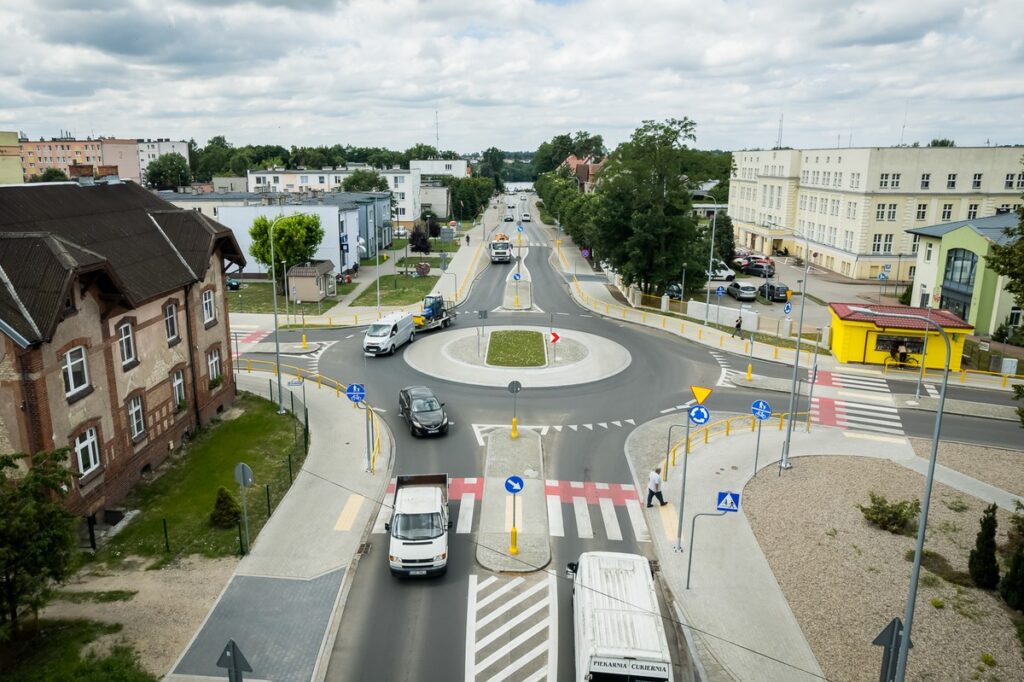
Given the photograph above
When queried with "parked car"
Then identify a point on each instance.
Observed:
(742, 291)
(674, 291)
(774, 291)
(508, 217)
(401, 232)
(760, 269)
(422, 411)
(234, 284)
(743, 261)
(721, 271)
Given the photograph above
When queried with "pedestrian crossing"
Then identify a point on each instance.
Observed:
(587, 510)
(856, 416)
(725, 379)
(482, 430)
(852, 382)
(308, 362)
(244, 338)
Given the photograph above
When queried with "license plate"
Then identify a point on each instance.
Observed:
(417, 572)
(432, 430)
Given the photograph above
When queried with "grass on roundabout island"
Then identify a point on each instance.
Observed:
(516, 348)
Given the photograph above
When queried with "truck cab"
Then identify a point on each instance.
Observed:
(501, 252)
(419, 526)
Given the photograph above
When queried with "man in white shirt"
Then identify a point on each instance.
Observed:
(654, 487)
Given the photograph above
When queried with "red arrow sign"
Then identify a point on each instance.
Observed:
(555, 337)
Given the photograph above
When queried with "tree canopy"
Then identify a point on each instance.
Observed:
(50, 175)
(550, 155)
(365, 180)
(296, 239)
(469, 196)
(168, 171)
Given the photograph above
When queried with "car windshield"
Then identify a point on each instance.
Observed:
(425, 405)
(747, 287)
(417, 526)
(378, 330)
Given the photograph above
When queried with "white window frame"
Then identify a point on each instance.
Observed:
(922, 211)
(972, 211)
(947, 212)
(1009, 181)
(891, 214)
(68, 371)
(951, 181)
(880, 212)
(929, 249)
(171, 321)
(915, 243)
(87, 450)
(887, 244)
(178, 386)
(896, 180)
(213, 364)
(126, 343)
(883, 181)
(976, 181)
(209, 309)
(136, 417)
(876, 243)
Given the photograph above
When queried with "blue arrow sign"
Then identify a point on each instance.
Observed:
(585, 253)
(519, 229)
(720, 291)
(514, 485)
(295, 382)
(356, 392)
(761, 409)
(788, 308)
(699, 415)
(516, 276)
(728, 502)
(882, 276)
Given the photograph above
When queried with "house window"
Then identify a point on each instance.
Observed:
(961, 265)
(922, 211)
(213, 364)
(912, 271)
(928, 248)
(839, 180)
(401, 196)
(848, 240)
(1014, 318)
(887, 247)
(972, 211)
(880, 212)
(892, 211)
(87, 451)
(895, 180)
(951, 181)
(209, 311)
(76, 374)
(976, 182)
(947, 211)
(915, 243)
(303, 179)
(1020, 181)
(401, 210)
(883, 181)
(827, 178)
(171, 321)
(876, 243)
(136, 419)
(277, 179)
(127, 343)
(447, 166)
(322, 179)
(178, 386)
(1009, 181)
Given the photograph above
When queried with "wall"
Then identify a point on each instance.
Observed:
(229, 184)
(10, 159)
(437, 200)
(125, 155)
(240, 220)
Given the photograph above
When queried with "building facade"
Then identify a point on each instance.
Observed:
(456, 168)
(10, 159)
(854, 206)
(150, 150)
(124, 154)
(57, 152)
(114, 333)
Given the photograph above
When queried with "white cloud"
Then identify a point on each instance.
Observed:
(513, 73)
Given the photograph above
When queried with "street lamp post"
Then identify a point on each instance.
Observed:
(922, 524)
(284, 274)
(711, 259)
(277, 336)
(784, 461)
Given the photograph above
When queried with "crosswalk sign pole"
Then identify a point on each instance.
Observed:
(513, 547)
(757, 448)
(682, 488)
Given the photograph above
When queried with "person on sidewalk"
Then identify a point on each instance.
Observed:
(467, 240)
(654, 487)
(902, 350)
(738, 331)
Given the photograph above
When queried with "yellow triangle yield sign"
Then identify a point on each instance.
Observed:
(700, 393)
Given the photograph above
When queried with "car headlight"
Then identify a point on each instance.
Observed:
(441, 557)
(392, 557)
(444, 419)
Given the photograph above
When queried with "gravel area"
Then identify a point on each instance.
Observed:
(996, 466)
(161, 619)
(464, 350)
(846, 579)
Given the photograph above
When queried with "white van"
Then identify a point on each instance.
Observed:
(388, 333)
(617, 622)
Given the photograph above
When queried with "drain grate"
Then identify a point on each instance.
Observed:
(364, 548)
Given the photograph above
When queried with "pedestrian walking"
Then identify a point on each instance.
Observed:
(467, 240)
(654, 487)
(738, 331)
(903, 352)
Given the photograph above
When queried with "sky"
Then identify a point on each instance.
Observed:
(514, 73)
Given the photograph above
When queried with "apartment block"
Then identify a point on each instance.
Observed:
(10, 159)
(57, 152)
(150, 150)
(850, 208)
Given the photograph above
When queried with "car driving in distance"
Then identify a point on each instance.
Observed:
(422, 411)
(774, 291)
(508, 217)
(526, 217)
(742, 291)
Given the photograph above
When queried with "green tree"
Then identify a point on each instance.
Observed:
(226, 510)
(551, 154)
(363, 180)
(492, 165)
(1011, 587)
(241, 161)
(296, 239)
(213, 159)
(168, 171)
(37, 538)
(942, 142)
(50, 175)
(982, 563)
(725, 240)
(420, 151)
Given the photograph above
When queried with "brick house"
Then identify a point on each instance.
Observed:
(114, 338)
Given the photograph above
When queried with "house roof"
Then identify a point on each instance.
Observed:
(991, 227)
(137, 245)
(314, 269)
(941, 317)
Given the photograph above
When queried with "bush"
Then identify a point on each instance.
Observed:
(982, 563)
(894, 517)
(226, 511)
(905, 296)
(938, 603)
(1012, 585)
(419, 242)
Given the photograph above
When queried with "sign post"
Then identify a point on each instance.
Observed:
(481, 314)
(233, 660)
(357, 394)
(727, 502)
(761, 411)
(514, 485)
(244, 478)
(890, 638)
(554, 344)
(699, 415)
(514, 387)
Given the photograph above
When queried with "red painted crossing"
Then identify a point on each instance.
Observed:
(826, 412)
(253, 337)
(457, 487)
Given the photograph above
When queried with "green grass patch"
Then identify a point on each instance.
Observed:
(411, 261)
(184, 495)
(54, 652)
(258, 297)
(437, 246)
(397, 289)
(372, 262)
(398, 244)
(516, 348)
(80, 597)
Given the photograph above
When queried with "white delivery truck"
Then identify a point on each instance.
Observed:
(501, 251)
(388, 333)
(620, 635)
(419, 526)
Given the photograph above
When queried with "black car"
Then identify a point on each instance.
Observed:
(774, 291)
(674, 291)
(234, 284)
(422, 411)
(759, 269)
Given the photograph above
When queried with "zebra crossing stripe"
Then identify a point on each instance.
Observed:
(611, 521)
(503, 651)
(866, 408)
(498, 632)
(506, 605)
(558, 428)
(583, 527)
(465, 524)
(556, 526)
(636, 519)
(507, 587)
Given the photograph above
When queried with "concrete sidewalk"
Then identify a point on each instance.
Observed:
(733, 594)
(283, 605)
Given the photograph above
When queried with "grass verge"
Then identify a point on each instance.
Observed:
(516, 348)
(258, 297)
(53, 651)
(82, 596)
(398, 244)
(184, 495)
(397, 290)
(411, 261)
(759, 337)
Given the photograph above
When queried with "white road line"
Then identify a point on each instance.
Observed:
(543, 674)
(556, 526)
(603, 424)
(471, 629)
(611, 520)
(573, 427)
(600, 486)
(510, 585)
(637, 521)
(669, 409)
(350, 336)
(382, 517)
(505, 627)
(557, 427)
(553, 632)
(503, 651)
(630, 421)
(868, 419)
(486, 583)
(873, 429)
(861, 395)
(465, 523)
(561, 313)
(866, 408)
(507, 605)
(589, 426)
(617, 423)
(582, 513)
(529, 656)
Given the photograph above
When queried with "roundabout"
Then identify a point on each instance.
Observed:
(460, 356)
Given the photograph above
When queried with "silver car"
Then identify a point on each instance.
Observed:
(742, 291)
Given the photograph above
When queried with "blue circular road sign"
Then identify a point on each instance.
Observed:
(699, 415)
(519, 229)
(761, 409)
(516, 276)
(788, 308)
(356, 392)
(720, 291)
(585, 253)
(514, 485)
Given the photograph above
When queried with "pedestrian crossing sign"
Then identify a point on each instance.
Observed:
(728, 502)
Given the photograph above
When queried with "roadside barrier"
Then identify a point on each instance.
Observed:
(914, 370)
(733, 425)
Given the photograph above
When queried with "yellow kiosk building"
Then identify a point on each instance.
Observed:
(879, 340)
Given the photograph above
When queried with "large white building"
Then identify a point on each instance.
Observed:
(150, 150)
(458, 168)
(403, 184)
(854, 205)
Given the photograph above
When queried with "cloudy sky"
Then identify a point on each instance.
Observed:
(513, 73)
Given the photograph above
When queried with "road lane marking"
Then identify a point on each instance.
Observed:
(611, 521)
(556, 526)
(637, 521)
(529, 656)
(553, 633)
(509, 604)
(603, 424)
(471, 627)
(583, 527)
(630, 421)
(866, 395)
(503, 651)
(558, 428)
(617, 423)
(382, 517)
(868, 436)
(349, 512)
(505, 627)
(589, 426)
(465, 523)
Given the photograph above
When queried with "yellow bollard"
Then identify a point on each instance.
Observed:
(248, 366)
(318, 377)
(727, 425)
(513, 547)
(781, 417)
(776, 353)
(643, 317)
(963, 376)
(673, 456)
(700, 333)
(682, 329)
(1005, 377)
(298, 374)
(337, 390)
(303, 342)
(746, 346)
(663, 323)
(605, 308)
(750, 370)
(721, 340)
(516, 303)
(705, 435)
(357, 320)
(753, 422)
(515, 428)
(329, 323)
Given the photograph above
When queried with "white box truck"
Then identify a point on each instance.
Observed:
(419, 526)
(619, 632)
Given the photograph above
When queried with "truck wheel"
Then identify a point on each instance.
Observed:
(412, 336)
(446, 323)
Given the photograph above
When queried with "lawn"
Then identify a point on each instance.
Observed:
(54, 652)
(258, 297)
(516, 348)
(372, 262)
(411, 261)
(436, 246)
(398, 244)
(397, 290)
(184, 495)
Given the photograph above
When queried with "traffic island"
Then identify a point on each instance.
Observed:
(518, 295)
(516, 348)
(523, 457)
